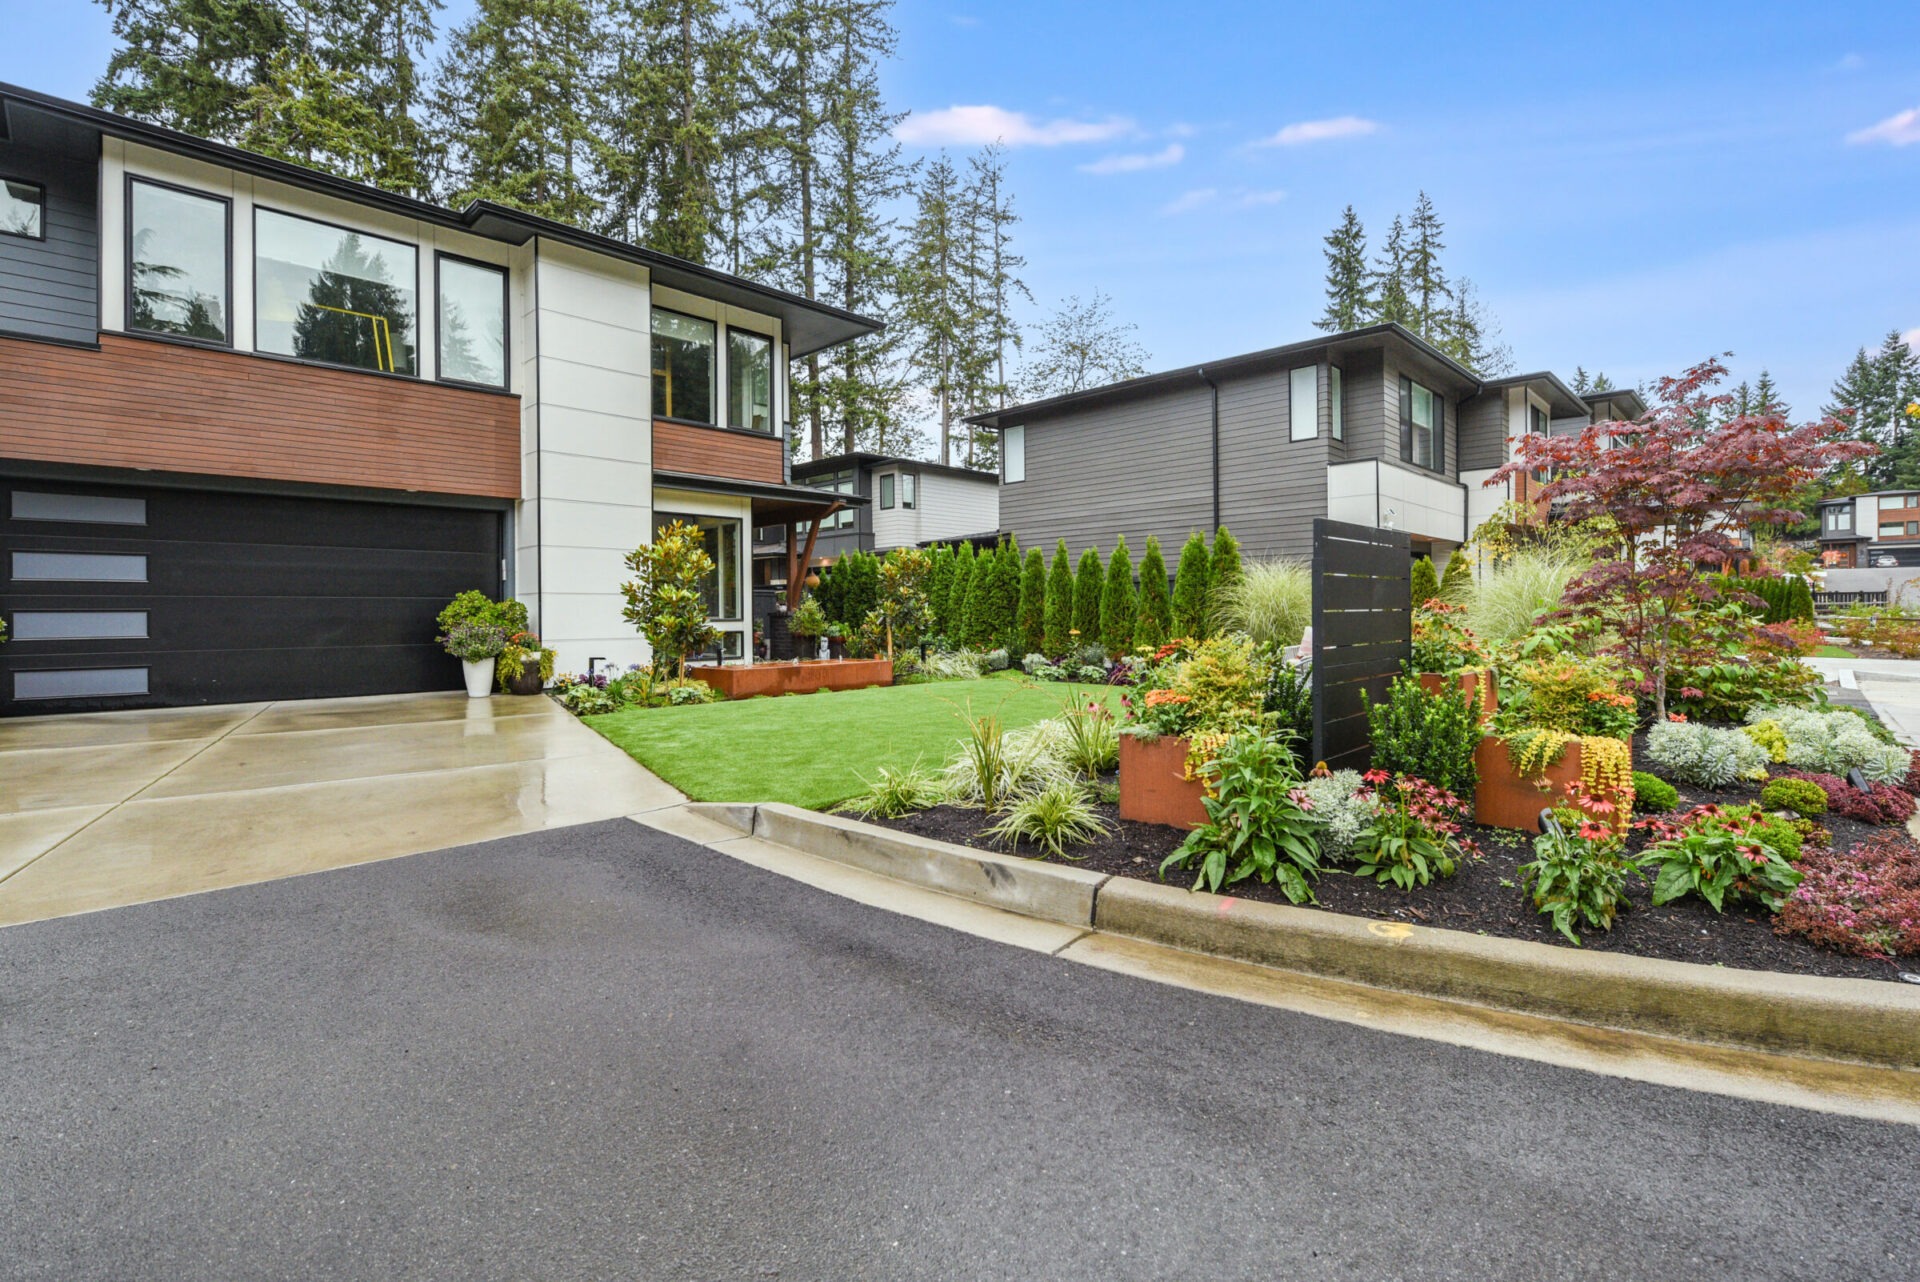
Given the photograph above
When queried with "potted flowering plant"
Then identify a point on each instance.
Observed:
(836, 641)
(808, 624)
(1446, 652)
(1187, 701)
(525, 666)
(478, 647)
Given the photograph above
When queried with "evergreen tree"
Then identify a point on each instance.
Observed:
(997, 600)
(1457, 582)
(1426, 581)
(1190, 589)
(1350, 302)
(1393, 302)
(939, 581)
(191, 64)
(960, 594)
(1584, 383)
(512, 100)
(1058, 625)
(938, 310)
(1117, 607)
(1800, 602)
(1428, 293)
(1089, 583)
(1468, 334)
(1153, 624)
(993, 272)
(1224, 571)
(1080, 346)
(1031, 614)
(1876, 389)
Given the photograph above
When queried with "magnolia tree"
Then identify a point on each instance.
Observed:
(1675, 489)
(903, 615)
(665, 601)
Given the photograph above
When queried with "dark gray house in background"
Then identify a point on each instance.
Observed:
(1375, 427)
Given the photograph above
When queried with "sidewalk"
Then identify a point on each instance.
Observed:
(1890, 686)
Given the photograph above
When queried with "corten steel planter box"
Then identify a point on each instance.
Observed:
(1153, 786)
(739, 681)
(1476, 685)
(1504, 799)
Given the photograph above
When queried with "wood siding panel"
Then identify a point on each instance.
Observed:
(710, 451)
(171, 407)
(1138, 468)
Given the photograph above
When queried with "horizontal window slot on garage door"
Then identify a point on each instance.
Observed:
(79, 625)
(96, 509)
(79, 683)
(79, 567)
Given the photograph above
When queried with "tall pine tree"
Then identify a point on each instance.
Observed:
(1350, 302)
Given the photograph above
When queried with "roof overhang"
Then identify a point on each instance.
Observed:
(1562, 401)
(771, 502)
(807, 325)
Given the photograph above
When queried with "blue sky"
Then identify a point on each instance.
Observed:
(1631, 191)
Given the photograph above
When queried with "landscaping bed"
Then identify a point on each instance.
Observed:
(1483, 897)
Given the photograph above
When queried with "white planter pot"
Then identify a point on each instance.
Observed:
(479, 677)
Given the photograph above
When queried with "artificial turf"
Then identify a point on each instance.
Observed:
(814, 750)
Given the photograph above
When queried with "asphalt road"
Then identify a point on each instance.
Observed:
(602, 1052)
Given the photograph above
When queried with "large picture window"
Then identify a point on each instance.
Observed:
(843, 482)
(472, 300)
(326, 293)
(749, 381)
(721, 541)
(683, 367)
(23, 209)
(1013, 454)
(1422, 411)
(177, 280)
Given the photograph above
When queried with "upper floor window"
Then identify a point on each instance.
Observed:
(1013, 454)
(886, 491)
(908, 483)
(682, 367)
(1336, 402)
(1839, 518)
(842, 482)
(327, 293)
(177, 281)
(23, 209)
(1303, 404)
(1422, 413)
(749, 381)
(472, 301)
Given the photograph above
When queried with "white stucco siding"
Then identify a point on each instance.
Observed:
(1379, 493)
(953, 507)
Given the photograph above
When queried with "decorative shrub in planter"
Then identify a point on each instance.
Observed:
(1154, 785)
(1477, 685)
(1520, 776)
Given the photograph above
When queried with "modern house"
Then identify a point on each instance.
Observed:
(908, 503)
(1879, 530)
(261, 422)
(1375, 427)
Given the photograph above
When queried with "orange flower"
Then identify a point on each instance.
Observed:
(1155, 698)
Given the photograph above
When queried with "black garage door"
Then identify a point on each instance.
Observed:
(133, 597)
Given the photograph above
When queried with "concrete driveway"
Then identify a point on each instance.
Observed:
(106, 809)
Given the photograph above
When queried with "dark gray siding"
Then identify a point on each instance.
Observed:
(1271, 487)
(1373, 409)
(1483, 431)
(1140, 468)
(51, 288)
(1398, 363)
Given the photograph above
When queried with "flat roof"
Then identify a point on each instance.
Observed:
(809, 326)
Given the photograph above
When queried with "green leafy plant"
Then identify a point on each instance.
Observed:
(474, 642)
(904, 613)
(1153, 623)
(1117, 605)
(1654, 796)
(1089, 583)
(1831, 743)
(994, 766)
(665, 600)
(1092, 740)
(1342, 807)
(509, 616)
(1415, 833)
(1715, 854)
(1425, 735)
(1270, 601)
(1057, 624)
(1570, 693)
(1579, 875)
(1223, 569)
(1255, 827)
(1190, 591)
(1289, 700)
(1030, 615)
(1798, 795)
(892, 792)
(1704, 756)
(1441, 641)
(1425, 585)
(521, 648)
(1058, 814)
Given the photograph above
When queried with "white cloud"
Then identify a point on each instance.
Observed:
(1912, 339)
(1306, 131)
(1171, 154)
(976, 126)
(1191, 201)
(1254, 199)
(1899, 129)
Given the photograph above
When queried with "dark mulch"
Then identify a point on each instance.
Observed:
(1484, 896)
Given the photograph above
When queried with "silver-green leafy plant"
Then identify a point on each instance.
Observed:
(1271, 601)
(1341, 807)
(995, 765)
(1058, 814)
(1834, 743)
(892, 792)
(1703, 756)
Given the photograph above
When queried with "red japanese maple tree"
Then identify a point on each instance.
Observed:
(1679, 485)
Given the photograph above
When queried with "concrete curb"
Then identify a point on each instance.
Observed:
(1860, 1020)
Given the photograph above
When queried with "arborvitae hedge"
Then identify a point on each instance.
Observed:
(995, 599)
(1154, 621)
(958, 593)
(1088, 585)
(1426, 581)
(939, 579)
(1224, 571)
(1031, 618)
(1058, 621)
(1190, 589)
(1117, 608)
(1800, 602)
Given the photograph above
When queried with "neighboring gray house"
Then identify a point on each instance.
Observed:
(910, 503)
(1375, 426)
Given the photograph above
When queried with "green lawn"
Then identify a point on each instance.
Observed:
(812, 749)
(1832, 652)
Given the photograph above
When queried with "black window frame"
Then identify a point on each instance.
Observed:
(1439, 464)
(663, 517)
(41, 237)
(909, 491)
(126, 316)
(714, 392)
(773, 381)
(419, 357)
(506, 322)
(887, 490)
